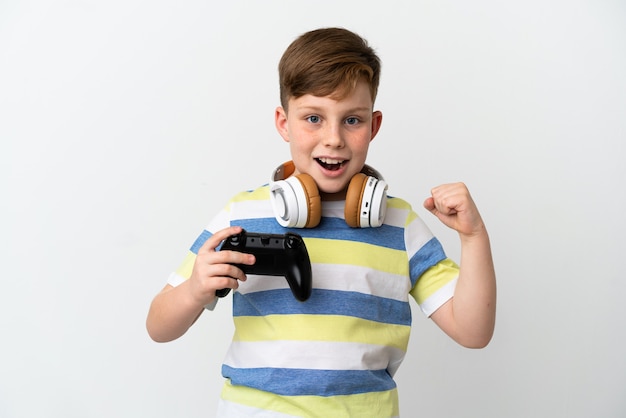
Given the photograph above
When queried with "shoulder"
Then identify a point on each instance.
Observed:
(400, 213)
(252, 210)
(260, 193)
(398, 203)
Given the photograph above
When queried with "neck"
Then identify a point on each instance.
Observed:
(328, 197)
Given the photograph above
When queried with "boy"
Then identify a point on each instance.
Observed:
(334, 354)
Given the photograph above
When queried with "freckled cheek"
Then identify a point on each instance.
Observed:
(360, 140)
(307, 137)
(302, 145)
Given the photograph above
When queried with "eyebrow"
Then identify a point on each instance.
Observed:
(320, 109)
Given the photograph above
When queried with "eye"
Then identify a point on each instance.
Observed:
(313, 119)
(352, 120)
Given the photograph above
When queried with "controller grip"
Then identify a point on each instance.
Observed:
(220, 293)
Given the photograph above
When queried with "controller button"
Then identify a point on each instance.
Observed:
(235, 240)
(291, 242)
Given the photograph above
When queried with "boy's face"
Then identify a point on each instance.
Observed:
(329, 138)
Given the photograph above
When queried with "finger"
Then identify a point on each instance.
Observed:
(230, 257)
(237, 257)
(429, 204)
(226, 255)
(214, 240)
(446, 199)
(227, 271)
(440, 202)
(229, 280)
(446, 207)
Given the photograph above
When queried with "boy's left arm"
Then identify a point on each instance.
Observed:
(469, 317)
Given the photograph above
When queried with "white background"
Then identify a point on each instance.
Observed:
(126, 125)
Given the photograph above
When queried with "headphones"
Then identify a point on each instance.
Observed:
(297, 203)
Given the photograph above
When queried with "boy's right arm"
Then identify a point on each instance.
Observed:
(175, 309)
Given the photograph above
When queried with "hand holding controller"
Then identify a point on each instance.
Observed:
(276, 255)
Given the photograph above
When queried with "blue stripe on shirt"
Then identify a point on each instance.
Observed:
(302, 382)
(331, 228)
(323, 302)
(429, 255)
(205, 235)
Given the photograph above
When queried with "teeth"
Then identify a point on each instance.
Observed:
(330, 161)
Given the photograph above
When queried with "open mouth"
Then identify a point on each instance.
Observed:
(330, 164)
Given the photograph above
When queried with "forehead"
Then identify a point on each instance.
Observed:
(358, 98)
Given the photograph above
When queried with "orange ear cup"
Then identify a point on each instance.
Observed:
(313, 198)
(354, 198)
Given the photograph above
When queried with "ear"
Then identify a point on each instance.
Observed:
(377, 120)
(280, 120)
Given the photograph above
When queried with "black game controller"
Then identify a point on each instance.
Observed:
(276, 255)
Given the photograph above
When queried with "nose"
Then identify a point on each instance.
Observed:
(333, 137)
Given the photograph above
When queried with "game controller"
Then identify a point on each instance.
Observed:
(276, 255)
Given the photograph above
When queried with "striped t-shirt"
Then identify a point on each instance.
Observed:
(336, 353)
